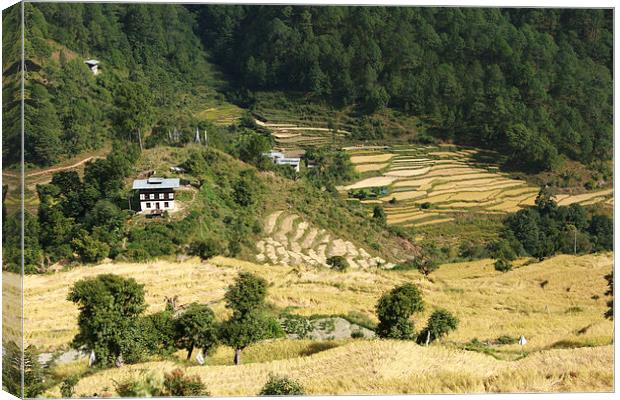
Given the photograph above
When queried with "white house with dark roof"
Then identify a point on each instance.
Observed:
(156, 194)
(93, 65)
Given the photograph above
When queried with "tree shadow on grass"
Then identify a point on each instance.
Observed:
(319, 347)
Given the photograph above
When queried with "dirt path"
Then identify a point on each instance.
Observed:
(55, 169)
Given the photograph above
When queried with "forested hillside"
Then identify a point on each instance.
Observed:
(150, 58)
(533, 83)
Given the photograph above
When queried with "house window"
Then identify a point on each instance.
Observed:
(148, 205)
(171, 196)
(166, 204)
(161, 196)
(142, 196)
(152, 196)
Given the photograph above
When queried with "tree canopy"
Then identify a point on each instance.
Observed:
(109, 306)
(508, 79)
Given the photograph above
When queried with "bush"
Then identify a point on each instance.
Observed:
(282, 386)
(378, 214)
(440, 323)
(141, 386)
(503, 265)
(206, 249)
(339, 263)
(68, 385)
(88, 248)
(505, 339)
(296, 325)
(176, 383)
(357, 334)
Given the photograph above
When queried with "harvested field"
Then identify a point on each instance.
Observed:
(370, 167)
(385, 367)
(565, 350)
(291, 241)
(379, 158)
(584, 197)
(451, 181)
(371, 182)
(292, 138)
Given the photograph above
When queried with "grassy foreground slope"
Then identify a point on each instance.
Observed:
(392, 367)
(567, 312)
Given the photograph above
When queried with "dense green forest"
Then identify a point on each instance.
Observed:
(151, 59)
(532, 83)
(535, 84)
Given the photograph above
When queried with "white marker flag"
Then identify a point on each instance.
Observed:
(91, 359)
(200, 358)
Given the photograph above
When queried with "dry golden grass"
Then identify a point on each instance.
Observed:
(12, 307)
(488, 303)
(405, 195)
(391, 367)
(404, 173)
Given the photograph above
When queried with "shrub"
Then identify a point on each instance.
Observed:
(378, 214)
(440, 323)
(68, 385)
(88, 248)
(141, 386)
(206, 249)
(503, 265)
(505, 339)
(282, 386)
(296, 325)
(176, 383)
(357, 334)
(339, 263)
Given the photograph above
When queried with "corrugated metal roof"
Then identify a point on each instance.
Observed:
(93, 62)
(156, 183)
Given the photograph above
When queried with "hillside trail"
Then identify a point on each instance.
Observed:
(54, 169)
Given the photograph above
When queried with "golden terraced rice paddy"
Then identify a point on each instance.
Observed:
(289, 240)
(449, 179)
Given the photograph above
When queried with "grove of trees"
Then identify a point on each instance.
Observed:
(396, 308)
(547, 229)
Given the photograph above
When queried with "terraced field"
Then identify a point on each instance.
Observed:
(293, 138)
(289, 240)
(426, 184)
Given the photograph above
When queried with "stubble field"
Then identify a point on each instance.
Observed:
(569, 344)
(447, 179)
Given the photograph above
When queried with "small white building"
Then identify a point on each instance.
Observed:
(156, 194)
(93, 65)
(280, 159)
